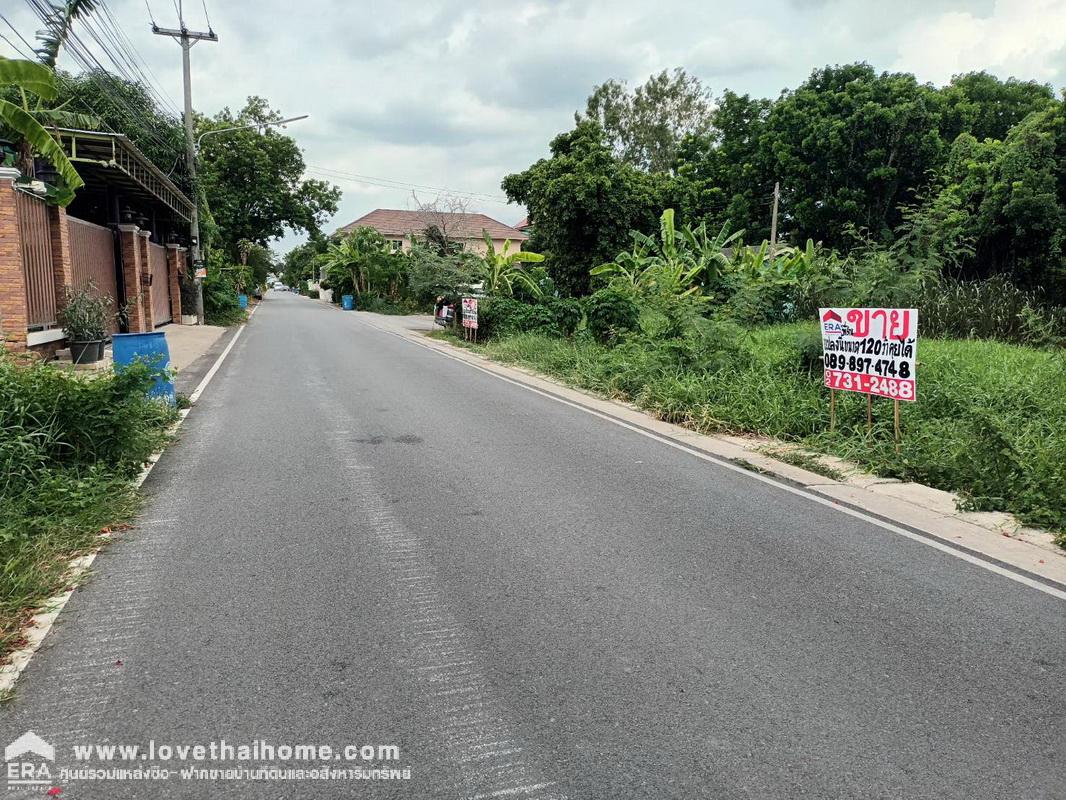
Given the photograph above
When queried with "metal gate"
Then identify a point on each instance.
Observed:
(157, 262)
(92, 259)
(32, 214)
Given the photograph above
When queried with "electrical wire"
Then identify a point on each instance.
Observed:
(83, 55)
(14, 46)
(19, 35)
(397, 184)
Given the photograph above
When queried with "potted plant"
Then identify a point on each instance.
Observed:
(85, 320)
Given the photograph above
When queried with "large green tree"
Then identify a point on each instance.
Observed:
(645, 126)
(252, 180)
(1014, 195)
(583, 202)
(986, 107)
(128, 107)
(724, 177)
(849, 147)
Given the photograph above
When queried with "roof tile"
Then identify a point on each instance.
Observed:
(397, 222)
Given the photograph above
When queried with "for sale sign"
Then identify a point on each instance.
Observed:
(871, 350)
(470, 312)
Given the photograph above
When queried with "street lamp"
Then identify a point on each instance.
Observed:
(196, 216)
(260, 125)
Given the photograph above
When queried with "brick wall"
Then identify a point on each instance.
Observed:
(175, 267)
(136, 299)
(12, 282)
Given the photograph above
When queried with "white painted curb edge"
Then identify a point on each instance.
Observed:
(42, 622)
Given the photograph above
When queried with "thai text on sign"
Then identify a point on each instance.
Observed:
(871, 350)
(470, 312)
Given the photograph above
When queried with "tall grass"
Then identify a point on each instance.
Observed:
(990, 420)
(68, 449)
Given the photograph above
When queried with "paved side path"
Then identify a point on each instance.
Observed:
(358, 541)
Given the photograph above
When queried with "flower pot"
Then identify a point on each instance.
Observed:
(86, 352)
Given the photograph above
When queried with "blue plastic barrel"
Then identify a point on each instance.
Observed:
(242, 300)
(150, 348)
(347, 302)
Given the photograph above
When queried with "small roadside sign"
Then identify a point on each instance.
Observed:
(200, 271)
(871, 350)
(470, 312)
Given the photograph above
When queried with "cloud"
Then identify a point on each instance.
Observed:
(458, 93)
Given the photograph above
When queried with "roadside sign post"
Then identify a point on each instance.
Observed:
(870, 351)
(470, 318)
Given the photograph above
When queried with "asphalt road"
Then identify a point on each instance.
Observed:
(359, 541)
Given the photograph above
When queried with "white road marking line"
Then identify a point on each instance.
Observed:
(935, 543)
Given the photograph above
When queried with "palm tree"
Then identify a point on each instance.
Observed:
(30, 78)
(58, 23)
(502, 270)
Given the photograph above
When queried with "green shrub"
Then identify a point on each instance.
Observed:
(49, 419)
(566, 312)
(85, 316)
(503, 316)
(611, 314)
(68, 448)
(991, 309)
(809, 351)
(312, 293)
(221, 306)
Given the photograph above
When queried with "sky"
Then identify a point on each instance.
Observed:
(455, 94)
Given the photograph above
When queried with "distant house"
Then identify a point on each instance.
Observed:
(467, 230)
(525, 226)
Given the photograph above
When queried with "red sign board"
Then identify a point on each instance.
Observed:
(470, 312)
(871, 350)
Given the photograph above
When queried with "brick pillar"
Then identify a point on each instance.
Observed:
(133, 266)
(146, 281)
(62, 267)
(175, 267)
(13, 312)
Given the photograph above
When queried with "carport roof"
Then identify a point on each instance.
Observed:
(110, 159)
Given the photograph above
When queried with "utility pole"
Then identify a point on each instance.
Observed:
(187, 39)
(773, 220)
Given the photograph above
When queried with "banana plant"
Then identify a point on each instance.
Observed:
(678, 262)
(502, 270)
(30, 78)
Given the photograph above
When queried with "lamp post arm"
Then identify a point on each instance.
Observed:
(244, 127)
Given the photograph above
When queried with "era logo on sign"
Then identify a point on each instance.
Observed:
(22, 772)
(832, 323)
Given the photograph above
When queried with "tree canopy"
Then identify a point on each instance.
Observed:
(583, 202)
(855, 151)
(644, 126)
(253, 182)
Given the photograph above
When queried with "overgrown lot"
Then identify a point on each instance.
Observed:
(990, 421)
(69, 449)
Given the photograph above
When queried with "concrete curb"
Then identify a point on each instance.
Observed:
(921, 509)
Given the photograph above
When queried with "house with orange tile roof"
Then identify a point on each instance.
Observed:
(468, 230)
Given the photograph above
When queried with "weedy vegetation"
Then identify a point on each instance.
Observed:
(69, 449)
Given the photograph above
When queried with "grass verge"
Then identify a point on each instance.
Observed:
(70, 447)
